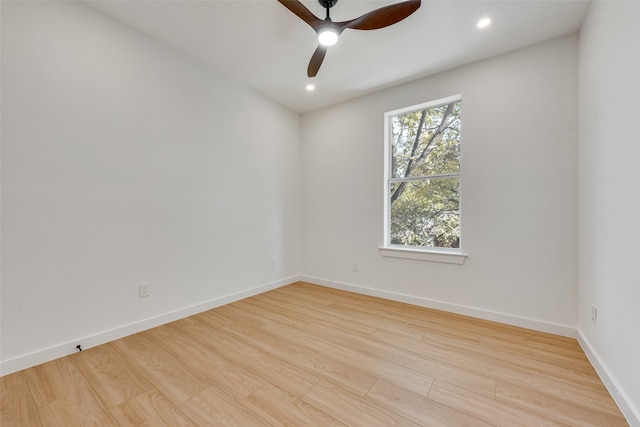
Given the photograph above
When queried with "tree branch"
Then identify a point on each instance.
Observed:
(411, 164)
(409, 168)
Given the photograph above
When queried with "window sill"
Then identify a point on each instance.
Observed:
(424, 255)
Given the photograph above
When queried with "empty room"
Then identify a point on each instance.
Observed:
(320, 213)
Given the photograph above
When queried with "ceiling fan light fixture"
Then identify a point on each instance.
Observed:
(328, 36)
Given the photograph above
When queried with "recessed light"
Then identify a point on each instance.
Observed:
(484, 23)
(311, 87)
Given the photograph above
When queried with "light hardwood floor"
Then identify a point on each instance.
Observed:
(305, 355)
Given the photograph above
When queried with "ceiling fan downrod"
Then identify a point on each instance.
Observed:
(327, 4)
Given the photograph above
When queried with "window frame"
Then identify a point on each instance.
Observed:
(437, 254)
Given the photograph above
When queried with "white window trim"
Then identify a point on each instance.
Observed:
(444, 255)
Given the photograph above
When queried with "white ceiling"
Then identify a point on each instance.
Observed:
(266, 47)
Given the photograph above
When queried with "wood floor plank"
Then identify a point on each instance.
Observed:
(352, 410)
(80, 407)
(536, 375)
(451, 336)
(370, 365)
(399, 355)
(176, 380)
(509, 369)
(541, 362)
(318, 296)
(287, 308)
(222, 372)
(17, 406)
(306, 355)
(486, 409)
(327, 368)
(99, 418)
(213, 407)
(264, 365)
(53, 380)
(300, 292)
(415, 408)
(11, 380)
(280, 408)
(576, 361)
(343, 309)
(110, 375)
(554, 409)
(268, 312)
(380, 323)
(150, 409)
(424, 318)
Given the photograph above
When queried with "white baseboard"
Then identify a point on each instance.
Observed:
(64, 349)
(552, 328)
(628, 409)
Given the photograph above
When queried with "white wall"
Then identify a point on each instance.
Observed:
(519, 192)
(609, 271)
(123, 162)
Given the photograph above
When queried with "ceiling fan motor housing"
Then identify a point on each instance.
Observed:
(327, 3)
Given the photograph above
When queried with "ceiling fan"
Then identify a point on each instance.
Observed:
(329, 31)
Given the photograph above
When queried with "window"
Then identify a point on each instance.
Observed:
(422, 177)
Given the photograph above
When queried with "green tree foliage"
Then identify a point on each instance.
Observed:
(425, 182)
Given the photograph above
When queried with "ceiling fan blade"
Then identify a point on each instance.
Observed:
(302, 12)
(316, 61)
(382, 17)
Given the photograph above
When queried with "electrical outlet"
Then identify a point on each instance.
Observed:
(273, 264)
(594, 313)
(354, 267)
(143, 290)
